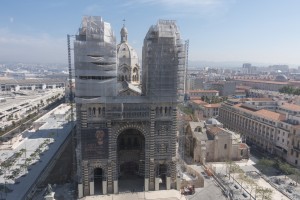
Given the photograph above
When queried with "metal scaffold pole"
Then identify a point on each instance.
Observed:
(187, 43)
(71, 100)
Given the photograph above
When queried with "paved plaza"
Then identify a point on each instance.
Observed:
(283, 188)
(46, 142)
(159, 195)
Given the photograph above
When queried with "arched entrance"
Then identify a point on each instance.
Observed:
(131, 160)
(162, 174)
(98, 177)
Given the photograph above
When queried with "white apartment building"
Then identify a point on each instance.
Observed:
(271, 126)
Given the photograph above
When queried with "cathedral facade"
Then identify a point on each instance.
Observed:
(126, 124)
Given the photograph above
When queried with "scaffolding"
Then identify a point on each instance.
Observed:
(95, 59)
(103, 114)
(163, 61)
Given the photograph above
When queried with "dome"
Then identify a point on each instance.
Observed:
(128, 62)
(212, 121)
(281, 78)
(124, 50)
(124, 31)
(124, 34)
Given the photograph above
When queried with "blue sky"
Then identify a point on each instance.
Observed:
(257, 31)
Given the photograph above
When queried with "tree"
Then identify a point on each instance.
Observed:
(251, 183)
(231, 167)
(23, 150)
(242, 178)
(297, 174)
(264, 193)
(265, 163)
(285, 168)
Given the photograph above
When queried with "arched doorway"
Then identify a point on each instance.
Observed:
(131, 160)
(98, 177)
(162, 175)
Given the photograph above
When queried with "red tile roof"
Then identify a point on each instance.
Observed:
(243, 146)
(263, 113)
(290, 106)
(199, 102)
(214, 130)
(270, 115)
(203, 91)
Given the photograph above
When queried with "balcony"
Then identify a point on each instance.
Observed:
(296, 148)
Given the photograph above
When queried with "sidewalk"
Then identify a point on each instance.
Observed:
(159, 195)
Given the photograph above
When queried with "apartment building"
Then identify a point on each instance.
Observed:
(203, 93)
(272, 126)
(211, 110)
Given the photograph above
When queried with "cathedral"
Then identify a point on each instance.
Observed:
(126, 113)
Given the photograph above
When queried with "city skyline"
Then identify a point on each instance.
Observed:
(219, 31)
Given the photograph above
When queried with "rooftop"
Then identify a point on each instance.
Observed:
(263, 81)
(214, 130)
(203, 91)
(263, 113)
(199, 102)
(290, 106)
(216, 105)
(270, 115)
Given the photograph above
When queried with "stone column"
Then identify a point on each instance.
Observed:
(156, 184)
(86, 178)
(178, 183)
(92, 191)
(151, 149)
(168, 183)
(112, 152)
(116, 188)
(80, 190)
(104, 187)
(146, 185)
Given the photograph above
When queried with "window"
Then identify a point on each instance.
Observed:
(94, 112)
(296, 162)
(225, 146)
(297, 154)
(242, 152)
(90, 112)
